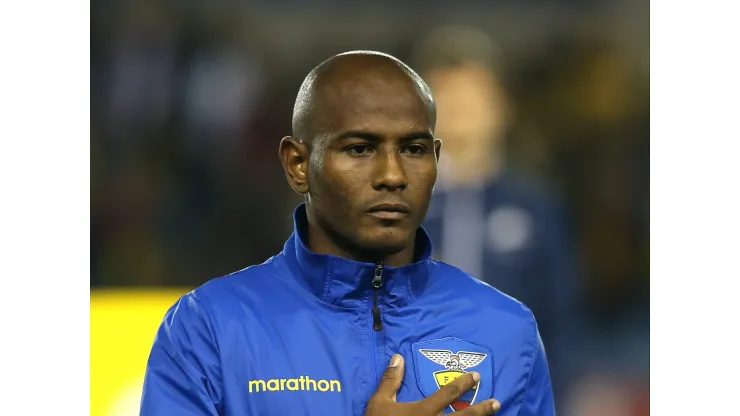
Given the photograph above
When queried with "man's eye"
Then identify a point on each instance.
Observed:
(415, 149)
(358, 149)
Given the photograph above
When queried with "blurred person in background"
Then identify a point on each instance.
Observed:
(486, 216)
(354, 304)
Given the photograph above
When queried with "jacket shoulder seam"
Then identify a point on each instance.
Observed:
(531, 366)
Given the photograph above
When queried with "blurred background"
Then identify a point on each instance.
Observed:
(543, 188)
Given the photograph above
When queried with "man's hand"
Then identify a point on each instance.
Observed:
(383, 402)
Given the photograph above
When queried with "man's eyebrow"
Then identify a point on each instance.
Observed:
(373, 137)
(417, 135)
(357, 134)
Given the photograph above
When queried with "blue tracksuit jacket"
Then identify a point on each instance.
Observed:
(311, 334)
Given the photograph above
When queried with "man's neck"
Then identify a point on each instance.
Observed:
(402, 258)
(320, 242)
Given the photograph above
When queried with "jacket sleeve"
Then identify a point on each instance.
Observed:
(183, 374)
(538, 396)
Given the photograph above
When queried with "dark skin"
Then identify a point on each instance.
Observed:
(383, 402)
(371, 141)
(364, 136)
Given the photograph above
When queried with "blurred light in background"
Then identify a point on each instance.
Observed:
(122, 328)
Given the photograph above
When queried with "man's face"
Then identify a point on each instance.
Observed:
(377, 148)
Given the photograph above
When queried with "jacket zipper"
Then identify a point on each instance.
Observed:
(377, 284)
(377, 334)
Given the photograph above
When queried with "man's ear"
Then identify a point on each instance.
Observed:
(294, 157)
(437, 147)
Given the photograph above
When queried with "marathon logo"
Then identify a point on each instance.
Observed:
(303, 383)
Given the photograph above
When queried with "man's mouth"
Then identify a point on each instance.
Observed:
(389, 211)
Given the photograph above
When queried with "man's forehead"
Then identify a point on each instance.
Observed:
(376, 104)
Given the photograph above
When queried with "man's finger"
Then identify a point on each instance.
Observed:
(484, 408)
(443, 397)
(392, 378)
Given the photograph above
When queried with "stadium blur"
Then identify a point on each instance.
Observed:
(543, 106)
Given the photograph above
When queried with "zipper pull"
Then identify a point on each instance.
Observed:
(377, 284)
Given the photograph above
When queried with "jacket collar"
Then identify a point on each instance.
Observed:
(342, 281)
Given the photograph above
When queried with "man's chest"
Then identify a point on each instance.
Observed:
(308, 365)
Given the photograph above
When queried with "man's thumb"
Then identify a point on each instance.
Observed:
(392, 377)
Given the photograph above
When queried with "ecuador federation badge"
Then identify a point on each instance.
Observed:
(438, 362)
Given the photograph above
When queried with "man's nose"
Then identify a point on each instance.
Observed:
(390, 172)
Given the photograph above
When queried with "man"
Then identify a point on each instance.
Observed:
(486, 216)
(353, 317)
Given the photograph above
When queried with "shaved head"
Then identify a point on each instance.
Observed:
(341, 79)
(363, 138)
